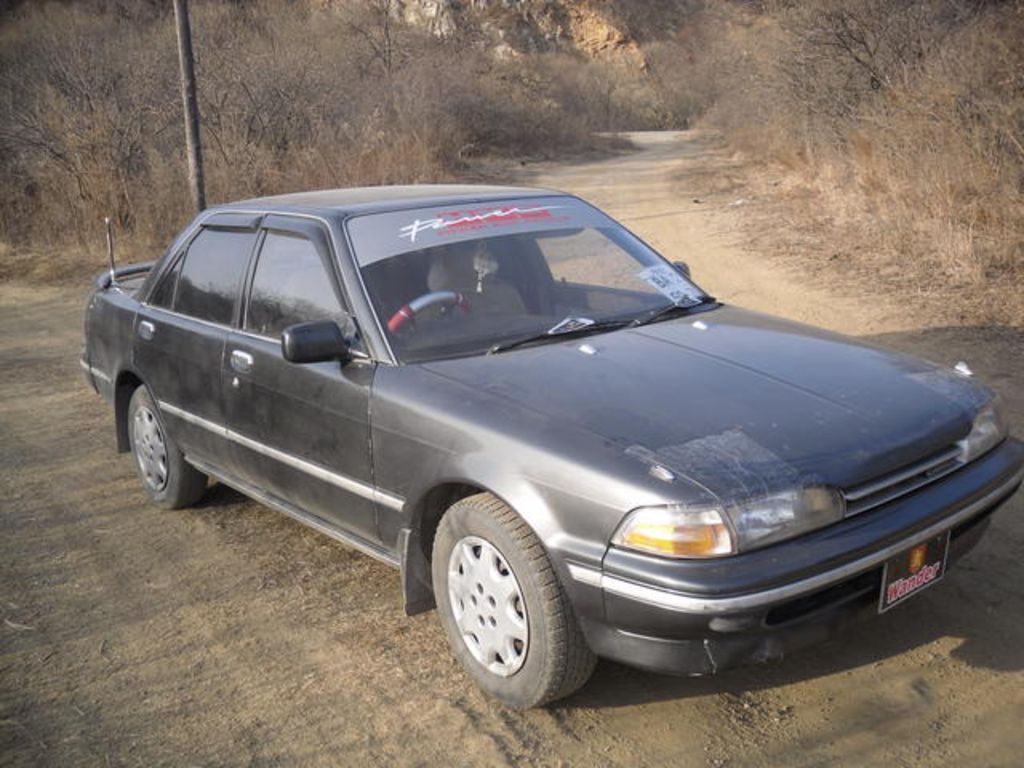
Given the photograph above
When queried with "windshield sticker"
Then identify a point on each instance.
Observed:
(570, 324)
(673, 285)
(378, 236)
(480, 218)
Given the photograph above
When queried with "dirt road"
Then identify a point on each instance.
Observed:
(228, 635)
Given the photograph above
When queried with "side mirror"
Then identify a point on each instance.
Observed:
(315, 343)
(682, 268)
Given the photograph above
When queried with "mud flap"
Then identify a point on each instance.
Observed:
(417, 589)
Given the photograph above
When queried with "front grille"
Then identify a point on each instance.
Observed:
(882, 490)
(844, 592)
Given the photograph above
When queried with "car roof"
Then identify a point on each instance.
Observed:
(358, 200)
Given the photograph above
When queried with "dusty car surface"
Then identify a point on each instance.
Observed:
(555, 435)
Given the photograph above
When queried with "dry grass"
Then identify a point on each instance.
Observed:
(293, 96)
(902, 121)
(905, 122)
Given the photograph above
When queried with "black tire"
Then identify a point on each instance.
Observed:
(557, 659)
(176, 483)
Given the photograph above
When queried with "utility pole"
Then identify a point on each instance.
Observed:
(191, 105)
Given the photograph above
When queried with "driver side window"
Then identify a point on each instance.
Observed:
(290, 285)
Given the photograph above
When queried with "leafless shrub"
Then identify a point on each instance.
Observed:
(907, 116)
(294, 96)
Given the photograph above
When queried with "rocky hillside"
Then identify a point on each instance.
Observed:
(606, 29)
(530, 26)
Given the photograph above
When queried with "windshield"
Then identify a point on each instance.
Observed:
(448, 283)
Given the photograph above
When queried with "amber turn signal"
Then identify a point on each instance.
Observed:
(676, 531)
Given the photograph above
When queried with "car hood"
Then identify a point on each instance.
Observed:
(736, 401)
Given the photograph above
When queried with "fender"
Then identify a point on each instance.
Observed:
(473, 473)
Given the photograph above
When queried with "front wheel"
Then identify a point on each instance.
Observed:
(170, 481)
(506, 616)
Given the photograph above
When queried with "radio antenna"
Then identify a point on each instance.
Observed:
(110, 248)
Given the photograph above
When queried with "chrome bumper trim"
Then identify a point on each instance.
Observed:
(695, 604)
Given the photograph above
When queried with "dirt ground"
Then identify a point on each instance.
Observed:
(228, 635)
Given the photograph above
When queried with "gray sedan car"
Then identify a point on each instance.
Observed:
(552, 432)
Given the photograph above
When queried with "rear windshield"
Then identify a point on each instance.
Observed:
(449, 282)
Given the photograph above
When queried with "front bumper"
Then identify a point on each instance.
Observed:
(698, 617)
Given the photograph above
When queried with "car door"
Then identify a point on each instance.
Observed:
(180, 333)
(300, 432)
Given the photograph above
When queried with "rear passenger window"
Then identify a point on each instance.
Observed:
(212, 274)
(163, 296)
(290, 286)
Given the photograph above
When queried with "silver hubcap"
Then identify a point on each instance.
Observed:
(150, 448)
(488, 605)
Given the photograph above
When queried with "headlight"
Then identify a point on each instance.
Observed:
(784, 515)
(989, 429)
(713, 531)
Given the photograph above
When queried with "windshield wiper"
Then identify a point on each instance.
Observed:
(669, 310)
(581, 326)
(568, 328)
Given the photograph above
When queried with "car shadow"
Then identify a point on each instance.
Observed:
(978, 603)
(912, 626)
(220, 498)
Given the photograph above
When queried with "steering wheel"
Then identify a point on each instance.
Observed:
(408, 312)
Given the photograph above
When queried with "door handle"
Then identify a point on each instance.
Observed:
(146, 329)
(241, 361)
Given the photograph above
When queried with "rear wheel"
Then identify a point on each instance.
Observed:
(169, 480)
(507, 618)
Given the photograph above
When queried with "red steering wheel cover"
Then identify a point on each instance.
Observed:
(408, 311)
(400, 317)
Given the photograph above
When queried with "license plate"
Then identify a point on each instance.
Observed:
(913, 570)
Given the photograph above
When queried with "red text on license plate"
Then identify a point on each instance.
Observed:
(913, 570)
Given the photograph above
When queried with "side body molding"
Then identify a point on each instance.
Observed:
(382, 497)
